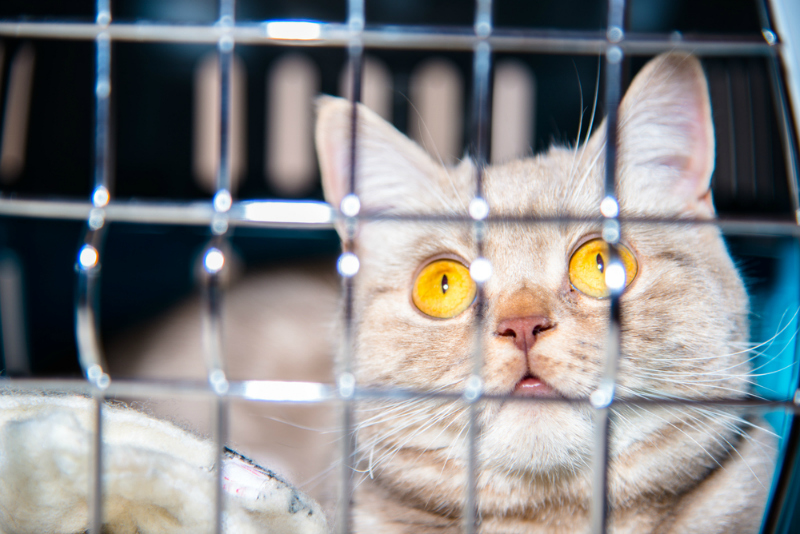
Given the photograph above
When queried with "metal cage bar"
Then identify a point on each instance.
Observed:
(481, 124)
(87, 305)
(603, 396)
(348, 266)
(396, 37)
(775, 513)
(214, 261)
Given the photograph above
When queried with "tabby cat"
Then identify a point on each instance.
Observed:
(543, 328)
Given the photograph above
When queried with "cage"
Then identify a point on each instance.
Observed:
(149, 148)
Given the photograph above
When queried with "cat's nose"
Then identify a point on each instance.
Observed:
(524, 330)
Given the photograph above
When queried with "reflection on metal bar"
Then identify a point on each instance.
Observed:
(269, 213)
(285, 212)
(86, 310)
(282, 391)
(397, 37)
(293, 30)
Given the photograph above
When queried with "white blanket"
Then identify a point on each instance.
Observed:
(157, 478)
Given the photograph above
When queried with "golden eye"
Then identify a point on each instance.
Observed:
(587, 267)
(443, 289)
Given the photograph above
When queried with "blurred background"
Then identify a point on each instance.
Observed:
(164, 123)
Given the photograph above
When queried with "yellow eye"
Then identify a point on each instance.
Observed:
(443, 289)
(587, 267)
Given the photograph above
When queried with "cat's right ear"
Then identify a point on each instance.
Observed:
(393, 174)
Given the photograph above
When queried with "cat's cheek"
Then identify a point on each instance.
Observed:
(399, 346)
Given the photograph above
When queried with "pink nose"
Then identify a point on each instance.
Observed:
(524, 330)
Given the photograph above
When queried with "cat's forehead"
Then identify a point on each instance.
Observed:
(556, 183)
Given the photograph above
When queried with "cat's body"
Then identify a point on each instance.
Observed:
(684, 330)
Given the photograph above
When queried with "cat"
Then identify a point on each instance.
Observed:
(684, 328)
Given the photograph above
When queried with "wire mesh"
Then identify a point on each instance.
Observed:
(483, 40)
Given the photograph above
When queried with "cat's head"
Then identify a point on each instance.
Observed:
(545, 320)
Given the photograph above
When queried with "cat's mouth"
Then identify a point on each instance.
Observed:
(533, 386)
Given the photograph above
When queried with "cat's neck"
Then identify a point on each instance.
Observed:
(418, 493)
(380, 509)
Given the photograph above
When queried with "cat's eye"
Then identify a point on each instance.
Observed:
(587, 267)
(443, 289)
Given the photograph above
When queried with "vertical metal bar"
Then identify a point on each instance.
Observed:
(779, 512)
(214, 260)
(348, 266)
(88, 266)
(472, 394)
(613, 96)
(356, 59)
(102, 111)
(91, 361)
(604, 395)
(225, 53)
(96, 522)
(355, 23)
(480, 269)
(481, 110)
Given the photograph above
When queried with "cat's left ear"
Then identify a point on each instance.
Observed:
(666, 136)
(393, 174)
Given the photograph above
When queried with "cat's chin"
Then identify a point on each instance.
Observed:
(537, 437)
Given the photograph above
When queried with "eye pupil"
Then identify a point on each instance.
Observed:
(445, 287)
(600, 263)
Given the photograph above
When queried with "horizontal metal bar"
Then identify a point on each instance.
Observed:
(296, 33)
(264, 213)
(269, 213)
(255, 390)
(307, 392)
